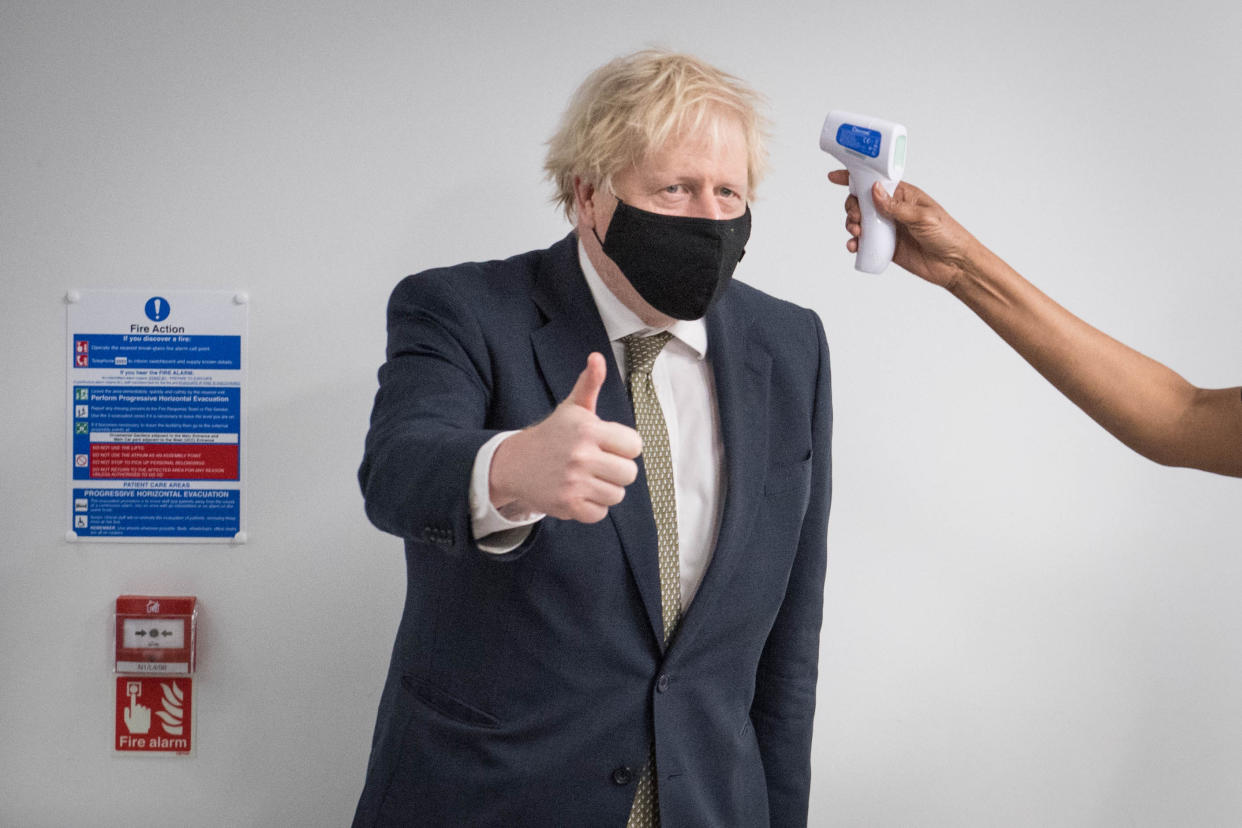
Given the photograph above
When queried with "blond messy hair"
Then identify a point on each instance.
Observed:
(632, 105)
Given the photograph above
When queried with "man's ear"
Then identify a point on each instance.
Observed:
(584, 201)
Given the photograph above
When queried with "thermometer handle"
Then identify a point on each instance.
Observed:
(878, 239)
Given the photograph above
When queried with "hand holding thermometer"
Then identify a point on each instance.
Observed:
(872, 150)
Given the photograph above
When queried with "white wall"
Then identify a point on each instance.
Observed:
(1026, 624)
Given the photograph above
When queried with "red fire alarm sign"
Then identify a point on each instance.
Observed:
(154, 714)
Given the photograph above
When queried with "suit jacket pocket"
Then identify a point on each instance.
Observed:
(448, 705)
(788, 476)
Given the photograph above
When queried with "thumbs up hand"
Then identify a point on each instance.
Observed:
(570, 465)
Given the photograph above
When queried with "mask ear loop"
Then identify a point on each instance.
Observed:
(595, 232)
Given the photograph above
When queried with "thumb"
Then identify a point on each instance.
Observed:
(586, 389)
(901, 206)
(883, 201)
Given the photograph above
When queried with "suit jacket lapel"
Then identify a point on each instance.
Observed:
(741, 368)
(572, 330)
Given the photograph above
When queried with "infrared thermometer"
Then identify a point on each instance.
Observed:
(872, 149)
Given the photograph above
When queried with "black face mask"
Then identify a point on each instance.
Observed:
(680, 265)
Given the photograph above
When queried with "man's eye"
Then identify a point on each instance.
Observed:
(673, 188)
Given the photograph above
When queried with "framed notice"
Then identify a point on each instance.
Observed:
(156, 415)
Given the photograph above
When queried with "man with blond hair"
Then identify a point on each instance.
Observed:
(610, 465)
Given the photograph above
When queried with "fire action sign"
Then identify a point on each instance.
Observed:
(156, 415)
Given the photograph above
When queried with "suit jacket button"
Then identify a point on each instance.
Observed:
(623, 775)
(662, 683)
(438, 535)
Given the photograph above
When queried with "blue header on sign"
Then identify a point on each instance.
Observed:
(859, 139)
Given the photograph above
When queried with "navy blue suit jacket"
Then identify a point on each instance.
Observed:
(524, 688)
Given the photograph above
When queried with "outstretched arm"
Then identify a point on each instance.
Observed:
(1139, 401)
(430, 420)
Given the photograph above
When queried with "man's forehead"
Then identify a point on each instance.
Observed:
(702, 148)
(706, 133)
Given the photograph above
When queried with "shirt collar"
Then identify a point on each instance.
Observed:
(620, 321)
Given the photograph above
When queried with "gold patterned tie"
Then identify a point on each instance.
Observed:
(640, 356)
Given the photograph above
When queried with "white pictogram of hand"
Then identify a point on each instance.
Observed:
(137, 716)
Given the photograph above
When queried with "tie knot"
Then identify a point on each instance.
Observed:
(641, 351)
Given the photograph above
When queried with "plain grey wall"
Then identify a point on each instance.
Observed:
(1026, 624)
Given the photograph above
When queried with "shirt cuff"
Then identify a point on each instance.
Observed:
(493, 532)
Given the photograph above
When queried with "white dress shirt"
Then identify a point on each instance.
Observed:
(686, 389)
